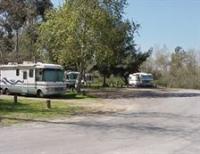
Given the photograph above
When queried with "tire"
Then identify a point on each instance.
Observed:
(40, 94)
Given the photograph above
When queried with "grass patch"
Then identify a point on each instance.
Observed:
(34, 110)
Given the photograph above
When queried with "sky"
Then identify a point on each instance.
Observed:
(164, 22)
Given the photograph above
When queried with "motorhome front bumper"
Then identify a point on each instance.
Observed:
(54, 91)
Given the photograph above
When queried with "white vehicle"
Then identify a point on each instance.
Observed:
(32, 78)
(140, 80)
(71, 79)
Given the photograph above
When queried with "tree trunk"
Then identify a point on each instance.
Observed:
(80, 77)
(2, 58)
(104, 81)
(125, 79)
(17, 46)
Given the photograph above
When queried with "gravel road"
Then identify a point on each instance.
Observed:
(152, 122)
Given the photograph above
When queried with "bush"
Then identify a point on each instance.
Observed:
(115, 82)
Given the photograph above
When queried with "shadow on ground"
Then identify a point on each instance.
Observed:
(144, 93)
(116, 93)
(131, 125)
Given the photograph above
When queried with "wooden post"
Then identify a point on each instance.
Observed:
(48, 103)
(15, 99)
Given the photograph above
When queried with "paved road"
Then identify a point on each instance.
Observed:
(164, 124)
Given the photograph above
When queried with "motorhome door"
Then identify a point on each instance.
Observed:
(25, 85)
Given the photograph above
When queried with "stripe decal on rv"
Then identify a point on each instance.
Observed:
(11, 82)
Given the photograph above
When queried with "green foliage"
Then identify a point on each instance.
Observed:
(184, 70)
(91, 35)
(69, 36)
(14, 13)
(179, 69)
(82, 34)
(12, 18)
(114, 81)
(19, 18)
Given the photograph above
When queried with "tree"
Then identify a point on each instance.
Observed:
(91, 32)
(129, 59)
(119, 56)
(13, 13)
(184, 69)
(18, 17)
(6, 45)
(112, 30)
(35, 16)
(69, 35)
(178, 69)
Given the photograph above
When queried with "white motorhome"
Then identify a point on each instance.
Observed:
(32, 78)
(140, 80)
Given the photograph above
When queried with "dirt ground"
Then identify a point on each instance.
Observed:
(143, 121)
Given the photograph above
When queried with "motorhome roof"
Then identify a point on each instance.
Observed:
(31, 65)
(141, 73)
(44, 65)
(72, 72)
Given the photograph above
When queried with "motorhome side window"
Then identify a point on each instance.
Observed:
(38, 75)
(17, 72)
(31, 73)
(138, 78)
(24, 75)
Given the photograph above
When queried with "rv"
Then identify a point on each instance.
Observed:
(71, 79)
(32, 78)
(140, 80)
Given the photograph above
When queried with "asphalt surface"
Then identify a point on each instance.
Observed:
(164, 124)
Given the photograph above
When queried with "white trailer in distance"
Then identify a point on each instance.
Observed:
(140, 80)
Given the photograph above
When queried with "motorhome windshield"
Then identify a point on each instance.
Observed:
(72, 76)
(50, 75)
(147, 77)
